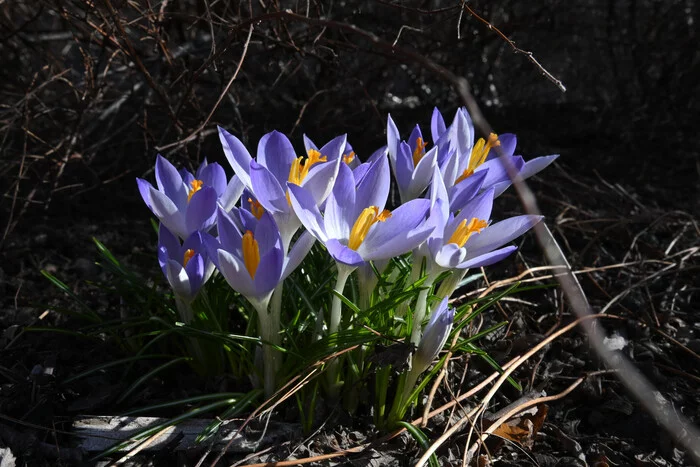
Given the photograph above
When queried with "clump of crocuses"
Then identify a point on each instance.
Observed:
(256, 228)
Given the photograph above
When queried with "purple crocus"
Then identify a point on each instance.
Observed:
(469, 239)
(486, 156)
(186, 203)
(185, 266)
(355, 227)
(434, 336)
(275, 167)
(411, 164)
(249, 255)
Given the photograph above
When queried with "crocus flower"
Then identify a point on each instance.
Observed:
(356, 227)
(186, 266)
(486, 156)
(275, 167)
(249, 255)
(412, 165)
(434, 336)
(186, 203)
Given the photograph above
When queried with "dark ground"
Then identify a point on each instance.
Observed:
(90, 94)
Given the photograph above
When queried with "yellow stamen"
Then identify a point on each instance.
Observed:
(188, 256)
(419, 151)
(368, 217)
(196, 186)
(251, 253)
(464, 231)
(300, 168)
(349, 157)
(480, 152)
(256, 208)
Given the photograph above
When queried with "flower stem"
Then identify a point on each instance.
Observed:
(344, 272)
(415, 275)
(451, 283)
(269, 332)
(421, 306)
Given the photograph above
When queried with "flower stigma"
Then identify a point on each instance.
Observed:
(196, 186)
(367, 218)
(419, 150)
(480, 152)
(256, 208)
(251, 253)
(349, 157)
(187, 256)
(464, 231)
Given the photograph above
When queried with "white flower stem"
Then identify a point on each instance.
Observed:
(336, 315)
(420, 309)
(184, 309)
(415, 275)
(268, 325)
(451, 283)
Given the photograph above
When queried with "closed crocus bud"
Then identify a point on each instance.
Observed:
(434, 337)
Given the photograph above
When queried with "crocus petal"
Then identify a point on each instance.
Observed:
(178, 279)
(450, 256)
(334, 148)
(297, 253)
(195, 273)
(170, 182)
(480, 208)
(170, 243)
(413, 137)
(321, 179)
(267, 188)
(537, 164)
(232, 193)
(266, 233)
(464, 191)
(437, 125)
(237, 155)
(187, 177)
(168, 213)
(343, 254)
(308, 144)
(421, 175)
(487, 259)
(276, 152)
(403, 167)
(500, 233)
(229, 234)
(236, 274)
(398, 234)
(213, 175)
(497, 171)
(211, 245)
(392, 137)
(506, 148)
(306, 209)
(435, 336)
(145, 191)
(340, 207)
(269, 271)
(373, 190)
(201, 210)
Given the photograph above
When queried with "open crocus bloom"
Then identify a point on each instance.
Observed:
(277, 165)
(355, 226)
(469, 158)
(434, 336)
(412, 165)
(186, 203)
(468, 239)
(186, 266)
(249, 255)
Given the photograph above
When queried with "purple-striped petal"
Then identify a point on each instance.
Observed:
(373, 190)
(178, 279)
(269, 271)
(297, 253)
(145, 191)
(170, 182)
(437, 125)
(450, 256)
(392, 137)
(236, 274)
(537, 164)
(232, 193)
(195, 273)
(306, 209)
(213, 175)
(487, 259)
(229, 234)
(340, 207)
(464, 191)
(321, 179)
(168, 213)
